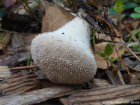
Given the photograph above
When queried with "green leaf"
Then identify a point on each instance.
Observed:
(0, 37)
(101, 54)
(122, 16)
(119, 6)
(122, 55)
(112, 59)
(136, 48)
(130, 5)
(112, 11)
(137, 1)
(137, 9)
(119, 3)
(28, 62)
(139, 35)
(4, 43)
(109, 49)
(105, 59)
(119, 9)
(60, 0)
(135, 15)
(26, 1)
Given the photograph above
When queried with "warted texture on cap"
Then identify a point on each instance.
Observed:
(65, 55)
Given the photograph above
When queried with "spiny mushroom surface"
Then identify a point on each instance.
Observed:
(64, 55)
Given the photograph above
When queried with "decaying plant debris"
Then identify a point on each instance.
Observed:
(19, 83)
(4, 72)
(51, 49)
(38, 95)
(106, 95)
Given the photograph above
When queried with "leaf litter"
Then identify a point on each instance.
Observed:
(22, 20)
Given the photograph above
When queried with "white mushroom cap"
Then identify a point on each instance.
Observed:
(65, 55)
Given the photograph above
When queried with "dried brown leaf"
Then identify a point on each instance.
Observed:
(5, 38)
(107, 37)
(17, 43)
(55, 17)
(15, 59)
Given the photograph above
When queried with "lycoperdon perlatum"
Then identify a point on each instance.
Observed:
(64, 55)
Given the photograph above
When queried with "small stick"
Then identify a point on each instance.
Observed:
(132, 68)
(121, 59)
(115, 45)
(120, 21)
(112, 77)
(120, 77)
(31, 11)
(127, 46)
(138, 53)
(23, 67)
(130, 33)
(104, 21)
(8, 31)
(26, 8)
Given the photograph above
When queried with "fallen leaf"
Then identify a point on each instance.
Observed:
(8, 3)
(5, 38)
(55, 17)
(107, 37)
(11, 61)
(17, 43)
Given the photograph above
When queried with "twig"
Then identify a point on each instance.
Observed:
(119, 74)
(126, 46)
(138, 53)
(104, 21)
(120, 77)
(23, 67)
(121, 59)
(132, 68)
(111, 26)
(130, 33)
(26, 8)
(8, 31)
(30, 11)
(120, 21)
(112, 78)
(132, 44)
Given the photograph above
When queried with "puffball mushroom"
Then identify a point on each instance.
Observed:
(65, 55)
